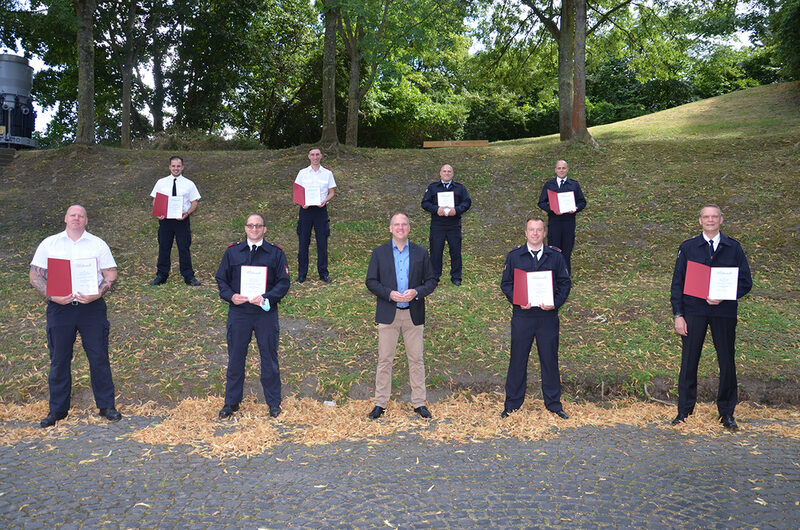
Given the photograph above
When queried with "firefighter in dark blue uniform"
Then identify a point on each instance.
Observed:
(561, 228)
(540, 323)
(693, 316)
(446, 222)
(258, 314)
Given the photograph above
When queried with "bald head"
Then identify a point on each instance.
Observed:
(446, 173)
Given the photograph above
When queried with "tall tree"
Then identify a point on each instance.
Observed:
(85, 10)
(379, 34)
(331, 13)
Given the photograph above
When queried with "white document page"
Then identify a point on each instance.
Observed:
(313, 196)
(723, 284)
(540, 288)
(175, 207)
(446, 199)
(566, 201)
(253, 281)
(84, 276)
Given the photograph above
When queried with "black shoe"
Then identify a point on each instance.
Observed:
(158, 280)
(680, 418)
(51, 419)
(376, 413)
(274, 410)
(423, 411)
(561, 414)
(325, 278)
(110, 414)
(728, 422)
(301, 279)
(227, 411)
(194, 282)
(505, 413)
(456, 282)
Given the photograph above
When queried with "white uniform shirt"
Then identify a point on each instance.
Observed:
(323, 179)
(60, 246)
(184, 187)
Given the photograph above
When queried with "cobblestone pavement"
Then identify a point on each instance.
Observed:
(585, 477)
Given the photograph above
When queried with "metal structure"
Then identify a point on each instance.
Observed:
(17, 115)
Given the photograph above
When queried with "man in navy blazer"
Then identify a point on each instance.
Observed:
(693, 316)
(400, 275)
(561, 226)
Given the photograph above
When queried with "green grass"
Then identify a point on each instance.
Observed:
(644, 187)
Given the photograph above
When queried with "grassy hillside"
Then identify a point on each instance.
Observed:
(644, 187)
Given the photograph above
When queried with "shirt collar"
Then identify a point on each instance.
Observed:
(394, 246)
(538, 252)
(716, 238)
(64, 234)
(249, 244)
(446, 184)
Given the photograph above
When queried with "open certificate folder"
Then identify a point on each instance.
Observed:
(715, 283)
(253, 281)
(66, 277)
(535, 287)
(306, 196)
(561, 202)
(168, 206)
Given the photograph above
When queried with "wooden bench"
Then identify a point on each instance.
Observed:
(455, 143)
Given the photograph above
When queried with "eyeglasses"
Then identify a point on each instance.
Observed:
(256, 227)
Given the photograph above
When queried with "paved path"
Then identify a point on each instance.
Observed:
(586, 477)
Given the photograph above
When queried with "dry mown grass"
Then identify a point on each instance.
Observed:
(458, 419)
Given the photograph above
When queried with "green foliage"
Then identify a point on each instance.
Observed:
(402, 115)
(788, 36)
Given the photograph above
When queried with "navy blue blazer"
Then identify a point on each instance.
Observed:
(520, 258)
(382, 280)
(430, 203)
(729, 254)
(229, 274)
(569, 185)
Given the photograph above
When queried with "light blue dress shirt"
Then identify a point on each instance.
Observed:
(401, 266)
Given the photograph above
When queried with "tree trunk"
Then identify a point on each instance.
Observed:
(579, 82)
(157, 107)
(329, 134)
(353, 99)
(565, 69)
(127, 76)
(85, 42)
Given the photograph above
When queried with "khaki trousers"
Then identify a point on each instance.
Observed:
(387, 347)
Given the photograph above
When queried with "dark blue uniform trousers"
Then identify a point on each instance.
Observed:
(316, 218)
(241, 326)
(438, 235)
(64, 322)
(181, 233)
(723, 332)
(544, 328)
(561, 234)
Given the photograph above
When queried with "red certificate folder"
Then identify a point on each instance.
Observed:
(59, 277)
(520, 287)
(160, 205)
(299, 194)
(698, 279)
(552, 198)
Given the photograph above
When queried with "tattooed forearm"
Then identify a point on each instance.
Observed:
(38, 278)
(109, 277)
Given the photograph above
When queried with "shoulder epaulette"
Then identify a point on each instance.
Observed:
(275, 245)
(234, 243)
(554, 248)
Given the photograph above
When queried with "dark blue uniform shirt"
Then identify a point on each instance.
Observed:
(729, 253)
(230, 269)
